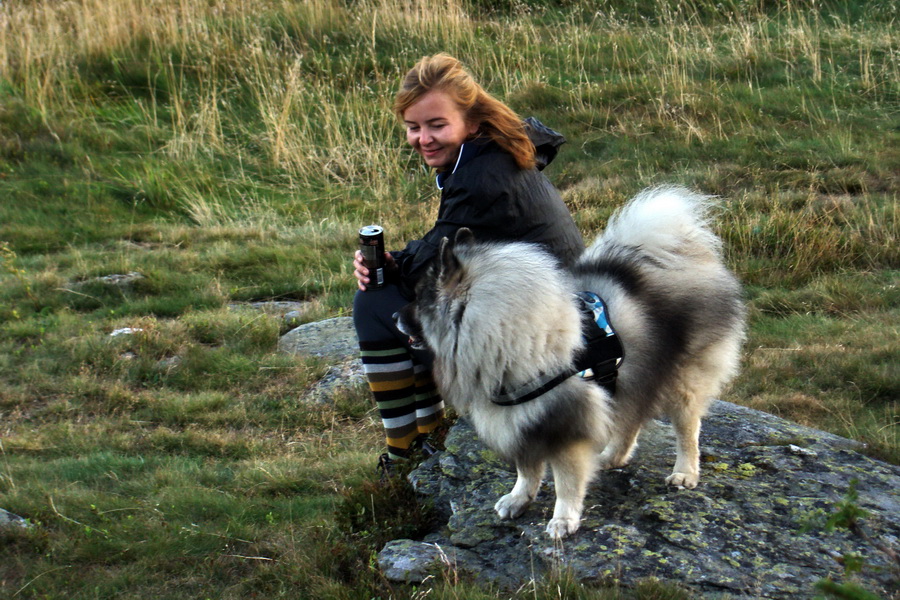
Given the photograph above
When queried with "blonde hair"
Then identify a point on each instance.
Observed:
(494, 118)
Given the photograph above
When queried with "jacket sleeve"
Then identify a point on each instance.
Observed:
(459, 208)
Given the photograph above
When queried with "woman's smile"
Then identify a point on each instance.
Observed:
(436, 128)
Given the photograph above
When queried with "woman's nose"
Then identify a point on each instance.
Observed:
(424, 137)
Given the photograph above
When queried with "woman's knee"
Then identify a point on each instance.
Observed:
(373, 312)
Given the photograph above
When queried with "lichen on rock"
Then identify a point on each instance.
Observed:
(743, 532)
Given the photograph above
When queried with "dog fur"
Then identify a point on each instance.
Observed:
(497, 316)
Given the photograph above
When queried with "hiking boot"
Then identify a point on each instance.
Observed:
(387, 467)
(426, 448)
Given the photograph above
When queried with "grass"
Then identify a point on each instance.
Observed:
(228, 152)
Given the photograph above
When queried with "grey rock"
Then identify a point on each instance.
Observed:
(343, 378)
(122, 282)
(9, 520)
(744, 532)
(332, 338)
(292, 318)
(125, 331)
(169, 364)
(410, 561)
(281, 309)
(119, 280)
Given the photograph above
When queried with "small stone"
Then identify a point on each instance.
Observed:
(276, 308)
(9, 520)
(125, 331)
(170, 363)
(121, 279)
(409, 561)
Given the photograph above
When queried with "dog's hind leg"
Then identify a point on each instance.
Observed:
(618, 451)
(523, 493)
(572, 471)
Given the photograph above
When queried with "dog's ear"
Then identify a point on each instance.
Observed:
(452, 273)
(464, 237)
(449, 262)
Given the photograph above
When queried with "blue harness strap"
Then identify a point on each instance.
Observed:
(598, 362)
(603, 352)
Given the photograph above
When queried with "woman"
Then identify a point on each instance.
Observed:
(488, 164)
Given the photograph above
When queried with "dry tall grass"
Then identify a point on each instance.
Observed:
(313, 124)
(323, 118)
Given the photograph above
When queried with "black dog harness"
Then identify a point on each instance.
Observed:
(598, 362)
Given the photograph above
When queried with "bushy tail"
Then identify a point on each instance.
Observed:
(664, 224)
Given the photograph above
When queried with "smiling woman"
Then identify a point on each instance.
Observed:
(487, 161)
(436, 128)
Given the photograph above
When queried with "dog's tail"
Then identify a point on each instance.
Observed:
(663, 224)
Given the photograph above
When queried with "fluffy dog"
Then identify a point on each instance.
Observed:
(500, 316)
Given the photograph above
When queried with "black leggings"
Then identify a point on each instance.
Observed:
(399, 377)
(373, 317)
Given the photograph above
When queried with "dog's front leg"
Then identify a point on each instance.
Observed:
(572, 471)
(527, 485)
(687, 462)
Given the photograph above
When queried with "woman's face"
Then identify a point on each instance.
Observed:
(436, 128)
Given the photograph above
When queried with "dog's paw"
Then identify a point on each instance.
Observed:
(560, 528)
(683, 480)
(608, 461)
(511, 506)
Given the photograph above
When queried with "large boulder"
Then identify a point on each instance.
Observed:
(755, 527)
(332, 339)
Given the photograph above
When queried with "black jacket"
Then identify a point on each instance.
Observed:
(488, 193)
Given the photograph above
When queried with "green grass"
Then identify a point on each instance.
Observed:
(229, 152)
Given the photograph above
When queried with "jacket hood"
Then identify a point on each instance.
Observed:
(546, 142)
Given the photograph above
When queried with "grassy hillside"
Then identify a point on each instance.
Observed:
(228, 151)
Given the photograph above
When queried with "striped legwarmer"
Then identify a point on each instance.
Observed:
(405, 394)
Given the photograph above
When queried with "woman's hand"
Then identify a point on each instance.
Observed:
(362, 273)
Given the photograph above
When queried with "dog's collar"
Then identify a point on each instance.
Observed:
(599, 361)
